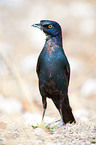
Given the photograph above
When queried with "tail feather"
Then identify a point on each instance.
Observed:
(67, 113)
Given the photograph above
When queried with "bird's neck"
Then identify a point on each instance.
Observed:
(57, 39)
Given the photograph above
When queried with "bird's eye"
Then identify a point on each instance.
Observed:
(50, 26)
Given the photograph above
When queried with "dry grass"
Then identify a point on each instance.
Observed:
(16, 132)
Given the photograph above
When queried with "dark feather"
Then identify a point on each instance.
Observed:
(53, 71)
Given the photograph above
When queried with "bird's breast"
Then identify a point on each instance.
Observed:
(50, 47)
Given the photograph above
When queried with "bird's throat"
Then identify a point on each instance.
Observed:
(57, 39)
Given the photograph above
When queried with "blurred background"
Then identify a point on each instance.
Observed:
(20, 45)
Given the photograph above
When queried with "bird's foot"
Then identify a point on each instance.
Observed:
(42, 124)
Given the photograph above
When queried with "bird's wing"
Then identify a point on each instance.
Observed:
(38, 67)
(67, 70)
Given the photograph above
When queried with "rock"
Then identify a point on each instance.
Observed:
(89, 87)
(9, 105)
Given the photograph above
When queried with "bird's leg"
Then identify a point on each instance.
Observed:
(43, 113)
(61, 117)
(44, 106)
(61, 113)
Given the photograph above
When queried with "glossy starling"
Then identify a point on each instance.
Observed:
(53, 71)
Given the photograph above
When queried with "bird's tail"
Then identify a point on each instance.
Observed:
(67, 114)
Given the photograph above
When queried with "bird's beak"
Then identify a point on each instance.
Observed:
(37, 25)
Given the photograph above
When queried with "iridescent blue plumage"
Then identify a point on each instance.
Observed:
(54, 71)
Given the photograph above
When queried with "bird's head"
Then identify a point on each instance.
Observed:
(51, 28)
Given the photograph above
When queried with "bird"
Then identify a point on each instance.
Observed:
(53, 70)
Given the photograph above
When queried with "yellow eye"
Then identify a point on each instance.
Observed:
(50, 26)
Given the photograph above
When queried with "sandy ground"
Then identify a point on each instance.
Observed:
(16, 131)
